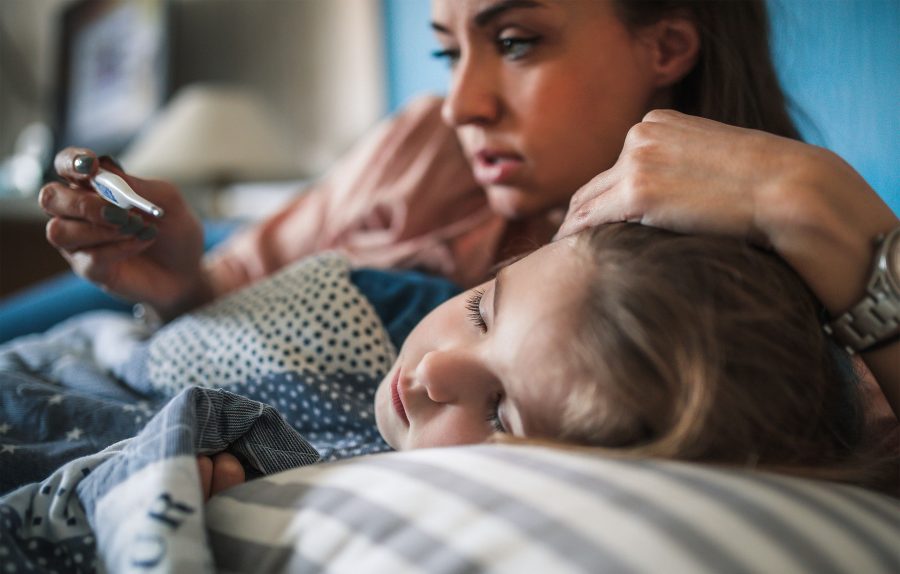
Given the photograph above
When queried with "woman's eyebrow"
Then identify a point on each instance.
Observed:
(485, 16)
(440, 28)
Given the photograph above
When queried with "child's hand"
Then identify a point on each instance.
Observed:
(219, 472)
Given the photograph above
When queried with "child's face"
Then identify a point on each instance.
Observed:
(541, 94)
(477, 364)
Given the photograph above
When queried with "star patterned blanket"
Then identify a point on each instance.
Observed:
(137, 505)
(61, 398)
(99, 460)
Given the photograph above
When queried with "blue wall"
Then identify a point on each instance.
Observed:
(839, 61)
(409, 44)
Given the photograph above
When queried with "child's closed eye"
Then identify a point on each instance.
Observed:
(494, 415)
(473, 306)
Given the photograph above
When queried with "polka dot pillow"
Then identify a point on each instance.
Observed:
(308, 317)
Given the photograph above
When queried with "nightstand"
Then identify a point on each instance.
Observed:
(25, 255)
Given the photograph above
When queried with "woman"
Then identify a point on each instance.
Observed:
(543, 97)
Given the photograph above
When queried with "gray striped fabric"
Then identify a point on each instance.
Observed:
(493, 508)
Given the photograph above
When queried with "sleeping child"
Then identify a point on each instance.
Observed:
(623, 339)
(628, 338)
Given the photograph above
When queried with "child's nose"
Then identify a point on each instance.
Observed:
(450, 377)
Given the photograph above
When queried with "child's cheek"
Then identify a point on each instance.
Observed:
(382, 413)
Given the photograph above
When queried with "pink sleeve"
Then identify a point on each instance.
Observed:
(404, 197)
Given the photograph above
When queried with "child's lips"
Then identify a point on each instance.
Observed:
(397, 398)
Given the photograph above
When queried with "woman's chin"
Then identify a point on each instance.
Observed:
(510, 202)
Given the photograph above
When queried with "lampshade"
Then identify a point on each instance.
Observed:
(209, 134)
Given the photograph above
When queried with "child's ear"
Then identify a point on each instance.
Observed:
(673, 48)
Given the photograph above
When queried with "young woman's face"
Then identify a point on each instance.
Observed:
(491, 359)
(542, 94)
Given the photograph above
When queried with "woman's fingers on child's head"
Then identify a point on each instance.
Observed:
(665, 116)
(598, 185)
(76, 164)
(599, 210)
(595, 203)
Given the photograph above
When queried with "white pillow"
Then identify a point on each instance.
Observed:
(502, 508)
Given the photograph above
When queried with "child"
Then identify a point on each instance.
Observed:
(633, 339)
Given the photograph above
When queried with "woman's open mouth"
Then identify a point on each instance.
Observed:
(495, 168)
(396, 400)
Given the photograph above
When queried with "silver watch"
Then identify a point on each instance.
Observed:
(875, 319)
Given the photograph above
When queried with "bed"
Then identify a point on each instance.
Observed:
(533, 509)
(106, 476)
(489, 508)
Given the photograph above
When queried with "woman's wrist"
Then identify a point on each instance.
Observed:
(823, 219)
(197, 293)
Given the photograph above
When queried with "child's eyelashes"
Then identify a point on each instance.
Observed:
(494, 415)
(473, 306)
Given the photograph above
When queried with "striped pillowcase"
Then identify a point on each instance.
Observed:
(504, 508)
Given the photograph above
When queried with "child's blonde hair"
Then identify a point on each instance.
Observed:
(708, 349)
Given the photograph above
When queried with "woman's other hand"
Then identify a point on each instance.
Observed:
(684, 173)
(694, 175)
(127, 253)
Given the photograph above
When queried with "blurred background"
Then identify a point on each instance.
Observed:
(240, 101)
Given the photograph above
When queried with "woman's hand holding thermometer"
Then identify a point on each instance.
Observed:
(134, 256)
(115, 190)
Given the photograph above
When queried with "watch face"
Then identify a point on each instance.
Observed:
(892, 260)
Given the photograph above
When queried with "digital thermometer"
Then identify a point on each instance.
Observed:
(113, 189)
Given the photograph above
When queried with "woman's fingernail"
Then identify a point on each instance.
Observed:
(147, 233)
(114, 215)
(83, 163)
(133, 225)
(46, 195)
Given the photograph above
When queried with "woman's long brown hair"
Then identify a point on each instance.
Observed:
(734, 81)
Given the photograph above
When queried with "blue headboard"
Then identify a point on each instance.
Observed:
(839, 61)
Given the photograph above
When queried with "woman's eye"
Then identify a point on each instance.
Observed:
(473, 306)
(449, 56)
(516, 47)
(494, 415)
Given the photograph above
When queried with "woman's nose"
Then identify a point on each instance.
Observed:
(472, 98)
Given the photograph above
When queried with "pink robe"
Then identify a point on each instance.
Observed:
(403, 197)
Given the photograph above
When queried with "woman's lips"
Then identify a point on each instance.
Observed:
(397, 400)
(496, 168)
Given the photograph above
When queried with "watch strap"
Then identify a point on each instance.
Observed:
(867, 323)
(875, 319)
